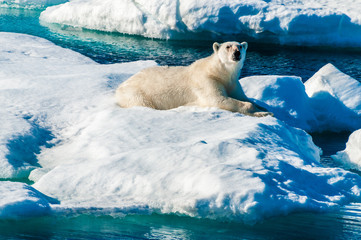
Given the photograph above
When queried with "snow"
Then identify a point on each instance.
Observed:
(303, 22)
(245, 169)
(19, 200)
(350, 158)
(11, 125)
(285, 96)
(91, 155)
(329, 101)
(41, 99)
(338, 85)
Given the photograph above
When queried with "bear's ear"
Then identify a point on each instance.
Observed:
(216, 46)
(244, 45)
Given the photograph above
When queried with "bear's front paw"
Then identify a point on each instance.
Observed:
(263, 114)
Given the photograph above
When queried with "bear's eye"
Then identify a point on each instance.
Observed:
(228, 46)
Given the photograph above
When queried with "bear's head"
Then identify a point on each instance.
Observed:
(231, 53)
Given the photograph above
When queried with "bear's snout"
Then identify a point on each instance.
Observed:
(236, 55)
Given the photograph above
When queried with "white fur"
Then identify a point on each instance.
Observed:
(208, 82)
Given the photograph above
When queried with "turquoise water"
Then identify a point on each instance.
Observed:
(261, 59)
(345, 224)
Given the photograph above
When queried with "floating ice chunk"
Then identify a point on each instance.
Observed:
(148, 18)
(30, 3)
(304, 22)
(337, 84)
(243, 169)
(335, 99)
(350, 158)
(199, 162)
(19, 200)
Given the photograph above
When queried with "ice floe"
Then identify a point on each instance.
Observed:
(89, 154)
(30, 3)
(212, 164)
(303, 22)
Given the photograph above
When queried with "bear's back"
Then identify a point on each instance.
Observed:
(165, 86)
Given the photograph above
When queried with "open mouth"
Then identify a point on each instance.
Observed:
(236, 58)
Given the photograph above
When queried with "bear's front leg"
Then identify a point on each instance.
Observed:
(214, 94)
(243, 107)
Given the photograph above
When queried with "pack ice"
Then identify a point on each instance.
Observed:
(303, 22)
(61, 128)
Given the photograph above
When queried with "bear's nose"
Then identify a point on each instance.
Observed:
(237, 53)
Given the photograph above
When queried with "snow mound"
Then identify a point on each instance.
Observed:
(329, 101)
(91, 155)
(19, 200)
(350, 158)
(303, 22)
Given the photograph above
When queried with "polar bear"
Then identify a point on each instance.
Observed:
(208, 82)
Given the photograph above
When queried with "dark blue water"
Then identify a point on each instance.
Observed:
(262, 59)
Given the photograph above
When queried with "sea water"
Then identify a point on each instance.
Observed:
(262, 59)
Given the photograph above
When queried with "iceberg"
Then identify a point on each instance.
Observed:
(93, 156)
(304, 22)
(350, 158)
